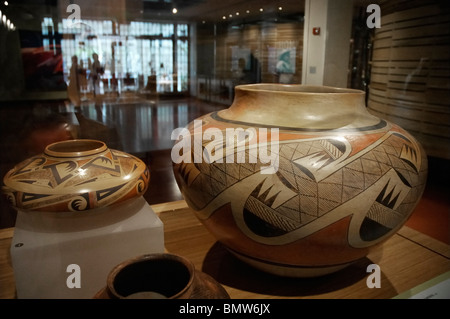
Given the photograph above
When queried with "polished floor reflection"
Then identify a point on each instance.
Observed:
(143, 127)
(140, 126)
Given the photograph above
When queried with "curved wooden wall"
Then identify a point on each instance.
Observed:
(410, 71)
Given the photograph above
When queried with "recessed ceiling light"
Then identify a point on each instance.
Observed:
(261, 9)
(174, 10)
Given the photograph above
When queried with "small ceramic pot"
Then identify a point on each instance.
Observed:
(160, 276)
(75, 175)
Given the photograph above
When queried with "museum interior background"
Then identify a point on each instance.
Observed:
(159, 69)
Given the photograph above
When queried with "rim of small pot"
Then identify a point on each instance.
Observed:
(75, 148)
(112, 276)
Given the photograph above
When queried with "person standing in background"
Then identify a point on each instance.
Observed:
(95, 72)
(74, 83)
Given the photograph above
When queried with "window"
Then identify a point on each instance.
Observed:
(132, 55)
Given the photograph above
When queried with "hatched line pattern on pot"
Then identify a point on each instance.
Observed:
(312, 200)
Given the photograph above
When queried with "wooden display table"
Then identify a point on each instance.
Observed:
(406, 260)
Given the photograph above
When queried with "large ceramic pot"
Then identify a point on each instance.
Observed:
(75, 175)
(315, 183)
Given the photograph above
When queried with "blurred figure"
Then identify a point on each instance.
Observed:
(96, 71)
(82, 77)
(248, 72)
(74, 83)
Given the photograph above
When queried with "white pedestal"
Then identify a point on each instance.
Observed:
(45, 244)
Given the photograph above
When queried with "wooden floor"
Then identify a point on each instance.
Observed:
(143, 128)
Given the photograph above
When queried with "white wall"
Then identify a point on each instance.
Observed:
(326, 56)
(337, 53)
(314, 45)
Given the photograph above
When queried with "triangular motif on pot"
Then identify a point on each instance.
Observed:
(245, 170)
(353, 178)
(287, 150)
(330, 192)
(370, 179)
(371, 166)
(381, 156)
(348, 192)
(289, 213)
(309, 205)
(326, 205)
(232, 172)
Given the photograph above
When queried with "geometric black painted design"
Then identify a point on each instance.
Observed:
(79, 204)
(261, 218)
(108, 191)
(27, 197)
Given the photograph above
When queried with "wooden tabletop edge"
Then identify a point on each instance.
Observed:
(425, 240)
(6, 233)
(169, 206)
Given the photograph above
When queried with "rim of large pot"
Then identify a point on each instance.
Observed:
(296, 89)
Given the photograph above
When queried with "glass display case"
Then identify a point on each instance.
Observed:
(130, 73)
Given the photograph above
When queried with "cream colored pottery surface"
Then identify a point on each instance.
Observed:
(70, 176)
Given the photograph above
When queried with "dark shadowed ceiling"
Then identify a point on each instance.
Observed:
(200, 11)
(216, 10)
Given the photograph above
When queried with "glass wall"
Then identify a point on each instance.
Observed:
(133, 56)
(203, 50)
